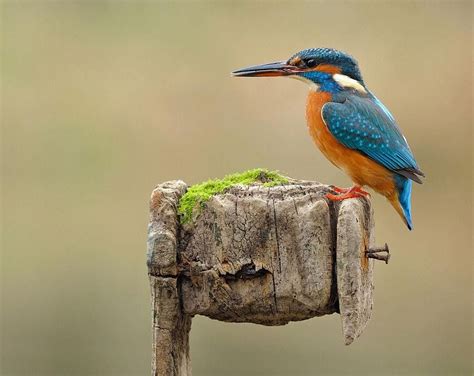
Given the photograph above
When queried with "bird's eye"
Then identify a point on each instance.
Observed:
(310, 63)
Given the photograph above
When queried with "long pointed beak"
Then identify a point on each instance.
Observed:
(280, 68)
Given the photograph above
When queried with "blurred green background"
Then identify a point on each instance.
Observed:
(103, 100)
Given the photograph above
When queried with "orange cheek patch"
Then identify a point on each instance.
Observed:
(328, 68)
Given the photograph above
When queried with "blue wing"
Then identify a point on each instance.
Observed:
(364, 124)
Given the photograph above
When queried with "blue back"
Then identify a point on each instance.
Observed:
(364, 124)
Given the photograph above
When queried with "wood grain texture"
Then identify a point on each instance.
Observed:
(266, 255)
(282, 235)
(170, 330)
(354, 270)
(163, 228)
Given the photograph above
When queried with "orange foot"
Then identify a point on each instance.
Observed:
(339, 189)
(354, 192)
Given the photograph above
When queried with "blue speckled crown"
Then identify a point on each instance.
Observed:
(345, 62)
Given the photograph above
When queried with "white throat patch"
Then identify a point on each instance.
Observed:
(346, 81)
(313, 86)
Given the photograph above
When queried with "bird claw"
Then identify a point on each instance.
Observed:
(337, 189)
(374, 253)
(346, 193)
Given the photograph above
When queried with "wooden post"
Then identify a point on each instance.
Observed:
(256, 254)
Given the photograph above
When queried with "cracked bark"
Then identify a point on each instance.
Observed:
(266, 256)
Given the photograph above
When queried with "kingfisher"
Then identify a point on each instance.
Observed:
(351, 127)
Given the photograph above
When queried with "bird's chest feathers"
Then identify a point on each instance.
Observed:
(326, 142)
(361, 169)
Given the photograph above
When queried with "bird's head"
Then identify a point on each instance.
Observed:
(324, 69)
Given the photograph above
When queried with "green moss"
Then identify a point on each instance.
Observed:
(197, 195)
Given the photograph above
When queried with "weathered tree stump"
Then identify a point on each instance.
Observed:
(256, 254)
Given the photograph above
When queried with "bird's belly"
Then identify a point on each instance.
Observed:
(361, 169)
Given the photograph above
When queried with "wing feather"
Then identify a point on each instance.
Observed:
(364, 124)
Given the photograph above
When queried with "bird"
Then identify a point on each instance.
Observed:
(350, 126)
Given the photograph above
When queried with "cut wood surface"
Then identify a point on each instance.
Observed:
(265, 255)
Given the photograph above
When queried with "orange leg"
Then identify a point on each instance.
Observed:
(354, 192)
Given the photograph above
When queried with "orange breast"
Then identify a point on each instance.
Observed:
(361, 169)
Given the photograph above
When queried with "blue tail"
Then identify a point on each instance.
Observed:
(404, 198)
